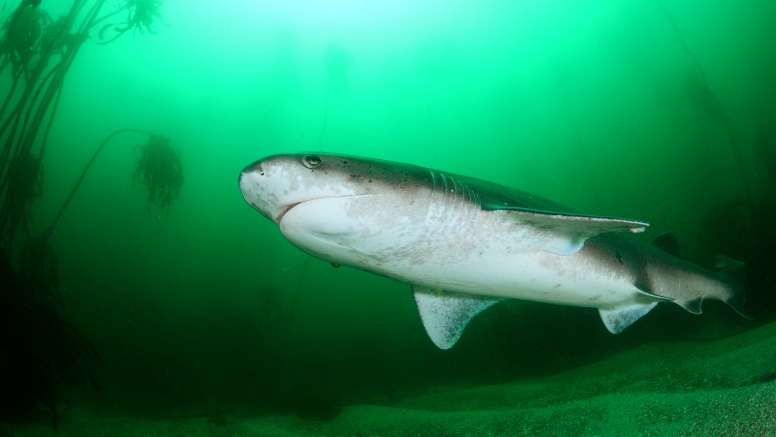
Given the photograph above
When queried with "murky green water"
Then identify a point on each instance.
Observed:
(657, 110)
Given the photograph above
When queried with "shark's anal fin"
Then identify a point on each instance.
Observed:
(569, 230)
(445, 314)
(692, 305)
(618, 318)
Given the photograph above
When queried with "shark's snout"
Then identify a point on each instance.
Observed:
(253, 168)
(260, 193)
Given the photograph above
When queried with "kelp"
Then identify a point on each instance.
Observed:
(39, 51)
(159, 169)
(40, 352)
(141, 15)
(702, 97)
(22, 32)
(25, 184)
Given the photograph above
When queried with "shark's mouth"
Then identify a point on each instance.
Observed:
(287, 208)
(284, 211)
(292, 206)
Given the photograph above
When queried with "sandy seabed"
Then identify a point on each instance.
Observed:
(725, 387)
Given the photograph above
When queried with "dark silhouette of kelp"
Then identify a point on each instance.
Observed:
(140, 15)
(38, 51)
(22, 35)
(160, 164)
(746, 230)
(160, 170)
(25, 184)
(702, 97)
(40, 352)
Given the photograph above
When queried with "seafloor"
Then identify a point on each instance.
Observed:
(708, 388)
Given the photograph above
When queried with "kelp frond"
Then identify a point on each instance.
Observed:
(160, 170)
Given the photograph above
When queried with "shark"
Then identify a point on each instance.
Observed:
(464, 244)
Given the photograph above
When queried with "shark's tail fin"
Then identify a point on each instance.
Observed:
(733, 273)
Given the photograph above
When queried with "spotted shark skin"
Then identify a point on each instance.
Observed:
(464, 244)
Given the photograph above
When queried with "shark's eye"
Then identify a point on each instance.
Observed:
(311, 161)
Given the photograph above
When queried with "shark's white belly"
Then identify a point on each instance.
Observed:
(463, 251)
(465, 244)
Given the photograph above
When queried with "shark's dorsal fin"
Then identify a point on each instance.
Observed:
(570, 229)
(667, 242)
(618, 318)
(445, 314)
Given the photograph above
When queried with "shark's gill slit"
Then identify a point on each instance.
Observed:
(432, 206)
(454, 222)
(438, 224)
(470, 210)
(459, 194)
(465, 196)
(410, 229)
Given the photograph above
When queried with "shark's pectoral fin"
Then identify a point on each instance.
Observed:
(445, 314)
(566, 231)
(618, 318)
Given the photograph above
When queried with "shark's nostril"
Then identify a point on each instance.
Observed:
(480, 242)
(254, 167)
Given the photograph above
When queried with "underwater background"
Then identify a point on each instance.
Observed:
(656, 110)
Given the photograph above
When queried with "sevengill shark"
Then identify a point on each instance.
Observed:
(464, 244)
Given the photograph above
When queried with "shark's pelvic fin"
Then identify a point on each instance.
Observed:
(652, 296)
(618, 318)
(570, 229)
(445, 314)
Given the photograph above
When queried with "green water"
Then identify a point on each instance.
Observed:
(619, 108)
